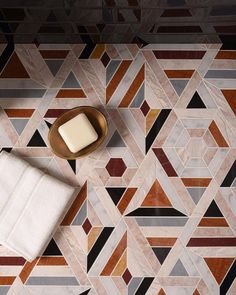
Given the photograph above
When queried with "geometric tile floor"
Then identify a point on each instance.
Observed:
(156, 212)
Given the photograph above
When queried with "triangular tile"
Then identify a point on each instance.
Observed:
(19, 124)
(179, 269)
(196, 193)
(161, 253)
(139, 97)
(36, 140)
(219, 267)
(6, 149)
(48, 124)
(14, 68)
(81, 215)
(85, 292)
(116, 140)
(72, 165)
(179, 85)
(196, 102)
(52, 249)
(156, 197)
(71, 82)
(115, 193)
(51, 17)
(213, 210)
(140, 42)
(54, 65)
(196, 292)
(100, 27)
(161, 292)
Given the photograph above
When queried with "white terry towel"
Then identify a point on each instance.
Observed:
(32, 204)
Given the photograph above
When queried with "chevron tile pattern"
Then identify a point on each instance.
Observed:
(156, 212)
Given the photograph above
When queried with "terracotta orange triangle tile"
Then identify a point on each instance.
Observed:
(156, 197)
(219, 267)
(196, 292)
(161, 292)
(14, 68)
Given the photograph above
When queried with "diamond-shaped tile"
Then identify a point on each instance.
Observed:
(105, 59)
(127, 276)
(145, 108)
(87, 226)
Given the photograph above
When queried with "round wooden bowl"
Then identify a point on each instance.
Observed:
(58, 145)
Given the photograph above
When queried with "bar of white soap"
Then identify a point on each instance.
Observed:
(78, 133)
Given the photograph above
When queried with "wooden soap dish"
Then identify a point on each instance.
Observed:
(57, 144)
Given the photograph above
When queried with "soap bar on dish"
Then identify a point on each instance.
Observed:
(78, 133)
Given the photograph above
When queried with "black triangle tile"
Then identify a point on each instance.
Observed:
(48, 124)
(140, 42)
(52, 249)
(85, 292)
(100, 27)
(72, 165)
(51, 17)
(115, 193)
(213, 210)
(36, 140)
(8, 51)
(6, 149)
(196, 102)
(161, 253)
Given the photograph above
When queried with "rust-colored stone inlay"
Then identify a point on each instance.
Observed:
(116, 167)
(219, 267)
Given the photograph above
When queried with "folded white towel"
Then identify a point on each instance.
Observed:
(32, 204)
